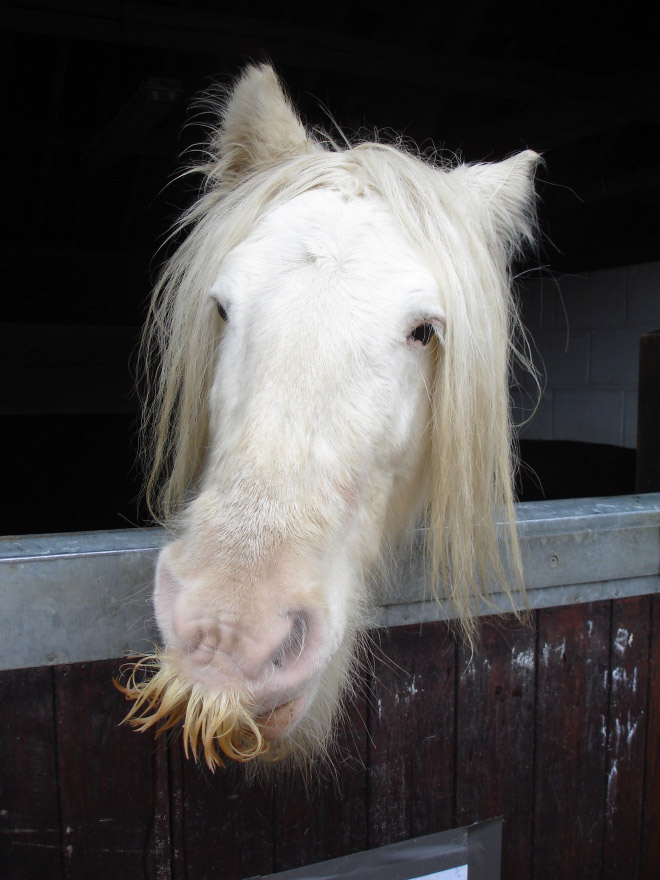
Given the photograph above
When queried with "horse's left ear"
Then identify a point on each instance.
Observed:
(503, 194)
(259, 126)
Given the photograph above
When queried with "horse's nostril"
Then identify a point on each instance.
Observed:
(299, 629)
(293, 645)
(202, 645)
(194, 641)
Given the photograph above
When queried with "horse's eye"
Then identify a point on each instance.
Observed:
(423, 333)
(222, 311)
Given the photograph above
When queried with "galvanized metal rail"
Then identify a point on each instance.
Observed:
(87, 596)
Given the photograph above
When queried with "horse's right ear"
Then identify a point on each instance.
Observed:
(502, 193)
(259, 126)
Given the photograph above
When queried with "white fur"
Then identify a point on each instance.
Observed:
(297, 444)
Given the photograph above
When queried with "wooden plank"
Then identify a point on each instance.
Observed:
(650, 842)
(495, 739)
(222, 823)
(571, 740)
(411, 749)
(113, 781)
(626, 736)
(390, 726)
(432, 666)
(322, 814)
(30, 833)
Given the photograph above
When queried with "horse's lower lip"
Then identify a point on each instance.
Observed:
(282, 718)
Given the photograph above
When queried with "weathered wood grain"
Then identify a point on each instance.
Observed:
(557, 730)
(321, 814)
(30, 832)
(432, 666)
(650, 842)
(571, 741)
(495, 738)
(113, 782)
(223, 824)
(411, 732)
(626, 736)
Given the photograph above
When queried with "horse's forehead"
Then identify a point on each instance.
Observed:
(324, 239)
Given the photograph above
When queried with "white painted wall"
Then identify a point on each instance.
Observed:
(584, 330)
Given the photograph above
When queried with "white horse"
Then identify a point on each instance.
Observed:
(334, 338)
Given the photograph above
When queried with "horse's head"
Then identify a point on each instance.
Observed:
(335, 335)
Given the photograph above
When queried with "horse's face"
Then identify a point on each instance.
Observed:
(319, 417)
(310, 406)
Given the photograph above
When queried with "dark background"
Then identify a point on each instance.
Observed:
(97, 98)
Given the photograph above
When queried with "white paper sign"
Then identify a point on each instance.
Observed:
(459, 873)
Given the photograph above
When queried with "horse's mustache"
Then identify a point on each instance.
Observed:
(220, 724)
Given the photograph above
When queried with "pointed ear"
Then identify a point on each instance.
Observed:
(503, 193)
(259, 126)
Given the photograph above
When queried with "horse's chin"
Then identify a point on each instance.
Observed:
(277, 724)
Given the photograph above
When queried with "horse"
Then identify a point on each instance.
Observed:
(334, 338)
